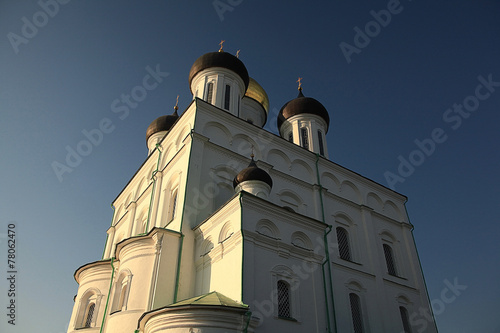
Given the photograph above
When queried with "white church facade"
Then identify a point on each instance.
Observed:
(227, 227)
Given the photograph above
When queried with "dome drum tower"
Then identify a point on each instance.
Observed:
(304, 121)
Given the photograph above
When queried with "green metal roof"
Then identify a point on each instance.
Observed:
(213, 298)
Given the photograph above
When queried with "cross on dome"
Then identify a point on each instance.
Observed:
(176, 107)
(300, 83)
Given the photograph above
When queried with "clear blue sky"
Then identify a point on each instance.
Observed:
(396, 89)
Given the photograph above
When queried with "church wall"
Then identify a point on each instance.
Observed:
(137, 258)
(218, 252)
(280, 245)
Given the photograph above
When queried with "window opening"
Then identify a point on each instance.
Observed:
(320, 142)
(210, 91)
(343, 240)
(173, 205)
(405, 319)
(305, 138)
(90, 314)
(227, 97)
(389, 259)
(357, 321)
(284, 299)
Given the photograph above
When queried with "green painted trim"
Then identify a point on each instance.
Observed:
(178, 273)
(242, 248)
(154, 187)
(326, 296)
(327, 252)
(249, 314)
(179, 257)
(109, 293)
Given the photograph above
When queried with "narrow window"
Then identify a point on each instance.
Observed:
(320, 142)
(305, 138)
(121, 303)
(284, 299)
(210, 91)
(389, 260)
(290, 136)
(173, 204)
(343, 240)
(357, 321)
(227, 96)
(405, 319)
(90, 314)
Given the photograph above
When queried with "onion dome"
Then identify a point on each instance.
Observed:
(257, 93)
(252, 172)
(303, 105)
(219, 59)
(162, 123)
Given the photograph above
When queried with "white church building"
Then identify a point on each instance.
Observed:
(227, 227)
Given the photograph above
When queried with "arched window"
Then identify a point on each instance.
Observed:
(405, 319)
(357, 318)
(89, 314)
(389, 260)
(305, 137)
(284, 306)
(227, 96)
(286, 291)
(320, 142)
(290, 136)
(173, 205)
(122, 287)
(88, 309)
(210, 92)
(343, 241)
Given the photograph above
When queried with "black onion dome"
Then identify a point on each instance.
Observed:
(219, 59)
(301, 105)
(252, 172)
(162, 123)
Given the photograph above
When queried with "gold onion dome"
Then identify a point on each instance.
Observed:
(219, 59)
(257, 93)
(252, 172)
(303, 105)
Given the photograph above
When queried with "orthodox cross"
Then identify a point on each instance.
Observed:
(221, 45)
(176, 107)
(300, 83)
